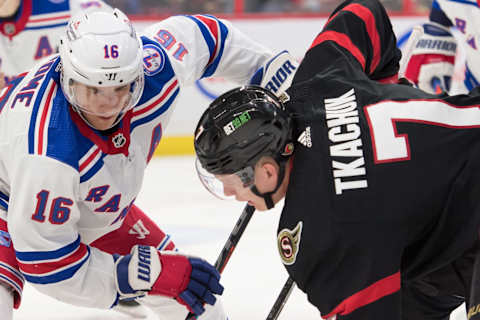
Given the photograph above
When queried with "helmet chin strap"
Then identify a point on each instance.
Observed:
(267, 196)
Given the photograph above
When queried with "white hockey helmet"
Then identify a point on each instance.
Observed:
(101, 49)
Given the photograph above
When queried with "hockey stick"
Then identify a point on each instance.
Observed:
(281, 299)
(231, 243)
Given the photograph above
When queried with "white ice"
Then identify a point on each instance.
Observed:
(174, 198)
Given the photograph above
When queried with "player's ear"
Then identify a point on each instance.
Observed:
(271, 174)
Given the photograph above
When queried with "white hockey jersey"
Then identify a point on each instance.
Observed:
(64, 184)
(34, 32)
(464, 16)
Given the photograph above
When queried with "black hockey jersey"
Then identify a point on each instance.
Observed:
(385, 185)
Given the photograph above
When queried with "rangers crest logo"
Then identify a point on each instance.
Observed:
(119, 140)
(153, 59)
(289, 242)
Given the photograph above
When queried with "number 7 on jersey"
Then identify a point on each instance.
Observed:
(390, 146)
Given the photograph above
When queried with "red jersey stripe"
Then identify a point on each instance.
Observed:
(366, 15)
(212, 25)
(156, 102)
(49, 19)
(46, 267)
(89, 159)
(342, 40)
(12, 276)
(43, 118)
(372, 293)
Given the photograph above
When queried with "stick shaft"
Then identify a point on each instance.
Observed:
(231, 243)
(281, 299)
(234, 238)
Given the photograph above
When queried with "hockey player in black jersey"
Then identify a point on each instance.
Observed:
(381, 181)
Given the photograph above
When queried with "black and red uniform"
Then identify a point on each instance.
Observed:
(382, 210)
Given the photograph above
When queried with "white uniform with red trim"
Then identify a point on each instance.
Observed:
(435, 65)
(34, 32)
(463, 16)
(66, 185)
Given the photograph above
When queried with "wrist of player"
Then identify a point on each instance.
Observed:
(190, 280)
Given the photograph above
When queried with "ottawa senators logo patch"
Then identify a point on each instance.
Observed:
(288, 243)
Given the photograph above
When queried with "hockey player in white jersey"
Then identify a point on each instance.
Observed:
(433, 58)
(30, 30)
(76, 134)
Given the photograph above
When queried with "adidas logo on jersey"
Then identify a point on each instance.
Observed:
(305, 138)
(139, 229)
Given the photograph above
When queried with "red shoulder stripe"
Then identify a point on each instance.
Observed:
(369, 19)
(342, 40)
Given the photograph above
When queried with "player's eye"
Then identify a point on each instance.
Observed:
(93, 90)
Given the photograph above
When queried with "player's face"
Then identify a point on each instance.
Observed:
(242, 194)
(8, 8)
(234, 186)
(101, 106)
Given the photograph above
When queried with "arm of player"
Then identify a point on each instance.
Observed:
(358, 35)
(202, 46)
(42, 220)
(191, 281)
(432, 60)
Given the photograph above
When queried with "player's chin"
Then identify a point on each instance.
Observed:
(103, 123)
(259, 205)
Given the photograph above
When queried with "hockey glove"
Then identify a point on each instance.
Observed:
(433, 57)
(277, 73)
(191, 281)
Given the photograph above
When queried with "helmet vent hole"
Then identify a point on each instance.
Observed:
(99, 82)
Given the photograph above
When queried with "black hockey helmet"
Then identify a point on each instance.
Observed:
(236, 130)
(240, 127)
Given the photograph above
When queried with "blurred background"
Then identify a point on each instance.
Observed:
(147, 8)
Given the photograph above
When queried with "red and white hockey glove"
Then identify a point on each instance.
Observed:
(431, 64)
(191, 281)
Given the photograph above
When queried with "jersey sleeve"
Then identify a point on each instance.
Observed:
(358, 34)
(42, 219)
(201, 46)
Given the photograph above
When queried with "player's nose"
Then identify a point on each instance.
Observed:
(109, 99)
